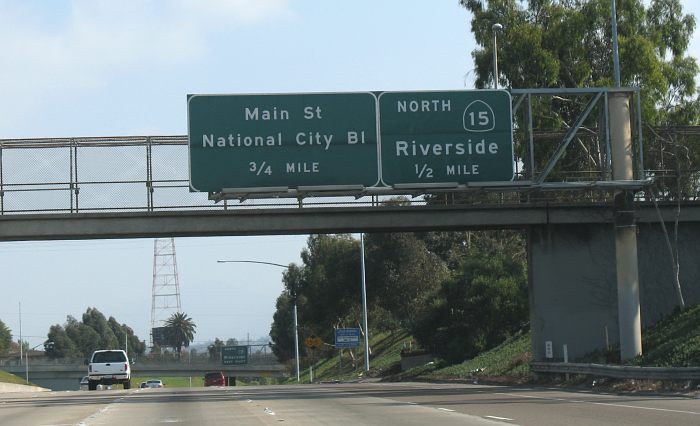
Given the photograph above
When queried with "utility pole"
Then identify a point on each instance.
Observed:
(20, 334)
(364, 301)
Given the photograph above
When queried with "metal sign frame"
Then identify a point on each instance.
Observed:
(534, 181)
(211, 116)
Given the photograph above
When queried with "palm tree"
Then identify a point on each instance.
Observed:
(180, 329)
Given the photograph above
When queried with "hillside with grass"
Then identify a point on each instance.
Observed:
(509, 359)
(330, 365)
(674, 341)
(6, 377)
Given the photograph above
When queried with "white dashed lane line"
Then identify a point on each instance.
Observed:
(500, 418)
(609, 404)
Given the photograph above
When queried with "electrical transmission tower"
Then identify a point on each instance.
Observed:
(166, 287)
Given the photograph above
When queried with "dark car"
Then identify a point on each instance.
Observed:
(214, 379)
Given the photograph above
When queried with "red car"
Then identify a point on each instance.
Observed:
(214, 379)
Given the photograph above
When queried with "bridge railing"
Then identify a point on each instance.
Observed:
(562, 153)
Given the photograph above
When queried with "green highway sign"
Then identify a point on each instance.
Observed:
(445, 137)
(257, 142)
(270, 143)
(234, 355)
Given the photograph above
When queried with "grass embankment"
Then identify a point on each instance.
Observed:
(6, 377)
(674, 341)
(385, 351)
(509, 359)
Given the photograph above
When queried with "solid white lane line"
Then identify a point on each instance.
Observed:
(611, 404)
(445, 409)
(500, 418)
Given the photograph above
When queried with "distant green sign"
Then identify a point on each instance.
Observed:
(292, 140)
(446, 137)
(234, 355)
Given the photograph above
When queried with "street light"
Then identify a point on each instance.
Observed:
(616, 54)
(364, 301)
(495, 28)
(26, 360)
(294, 299)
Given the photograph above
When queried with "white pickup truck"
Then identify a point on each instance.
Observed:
(109, 367)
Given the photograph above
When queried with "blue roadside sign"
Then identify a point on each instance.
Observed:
(347, 338)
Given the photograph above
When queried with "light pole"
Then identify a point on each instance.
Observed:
(616, 55)
(495, 28)
(26, 360)
(294, 299)
(364, 301)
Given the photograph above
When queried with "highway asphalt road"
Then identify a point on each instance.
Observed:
(346, 404)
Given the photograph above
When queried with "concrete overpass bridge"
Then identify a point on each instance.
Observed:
(571, 251)
(281, 221)
(130, 187)
(66, 376)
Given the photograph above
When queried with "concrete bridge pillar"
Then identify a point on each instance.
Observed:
(625, 229)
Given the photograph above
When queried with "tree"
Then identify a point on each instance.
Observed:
(180, 331)
(282, 328)
(5, 338)
(84, 337)
(215, 349)
(568, 44)
(328, 285)
(122, 332)
(63, 346)
(402, 273)
(81, 338)
(485, 302)
(96, 320)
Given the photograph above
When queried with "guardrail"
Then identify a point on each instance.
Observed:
(618, 371)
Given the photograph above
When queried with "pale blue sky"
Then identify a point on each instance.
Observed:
(116, 68)
(98, 68)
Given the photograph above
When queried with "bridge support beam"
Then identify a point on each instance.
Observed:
(625, 229)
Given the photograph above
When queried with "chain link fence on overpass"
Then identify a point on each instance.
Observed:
(150, 173)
